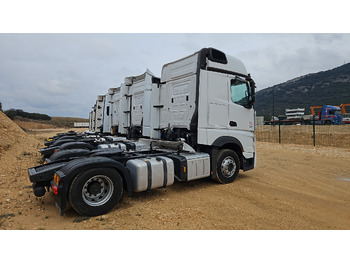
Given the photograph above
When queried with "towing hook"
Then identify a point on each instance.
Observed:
(39, 191)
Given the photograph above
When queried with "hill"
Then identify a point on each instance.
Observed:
(61, 122)
(326, 87)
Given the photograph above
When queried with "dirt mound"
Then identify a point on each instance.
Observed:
(18, 151)
(10, 133)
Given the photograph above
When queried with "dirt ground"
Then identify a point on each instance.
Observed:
(292, 187)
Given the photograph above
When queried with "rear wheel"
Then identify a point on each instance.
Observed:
(227, 166)
(95, 192)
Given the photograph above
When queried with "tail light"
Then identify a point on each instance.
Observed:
(55, 183)
(56, 179)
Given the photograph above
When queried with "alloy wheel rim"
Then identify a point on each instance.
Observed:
(228, 167)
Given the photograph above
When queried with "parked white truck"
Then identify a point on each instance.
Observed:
(96, 116)
(196, 121)
(127, 108)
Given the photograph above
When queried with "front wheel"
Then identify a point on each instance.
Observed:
(227, 166)
(96, 191)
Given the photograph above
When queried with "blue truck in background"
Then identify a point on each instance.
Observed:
(328, 115)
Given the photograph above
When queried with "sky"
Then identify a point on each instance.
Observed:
(52, 61)
(62, 74)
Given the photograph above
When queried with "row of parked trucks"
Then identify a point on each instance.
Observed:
(195, 121)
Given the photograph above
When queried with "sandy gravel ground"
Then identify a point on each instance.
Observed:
(293, 187)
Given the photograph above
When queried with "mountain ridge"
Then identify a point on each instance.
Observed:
(314, 89)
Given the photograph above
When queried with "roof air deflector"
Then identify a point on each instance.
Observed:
(217, 56)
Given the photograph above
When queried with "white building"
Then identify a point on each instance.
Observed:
(296, 113)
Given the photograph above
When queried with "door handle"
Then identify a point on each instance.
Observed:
(233, 123)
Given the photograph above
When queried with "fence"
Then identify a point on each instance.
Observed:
(318, 135)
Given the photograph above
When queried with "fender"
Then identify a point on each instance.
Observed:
(67, 155)
(224, 142)
(76, 145)
(62, 141)
(74, 167)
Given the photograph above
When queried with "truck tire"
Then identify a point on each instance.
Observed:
(96, 191)
(227, 166)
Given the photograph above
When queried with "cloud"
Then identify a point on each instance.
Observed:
(62, 74)
(281, 57)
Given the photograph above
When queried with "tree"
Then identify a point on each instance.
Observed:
(12, 113)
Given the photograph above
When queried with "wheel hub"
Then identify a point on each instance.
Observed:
(94, 188)
(228, 167)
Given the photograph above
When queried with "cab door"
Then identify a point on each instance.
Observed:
(240, 122)
(240, 116)
(217, 106)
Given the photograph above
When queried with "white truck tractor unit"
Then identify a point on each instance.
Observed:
(139, 105)
(98, 113)
(127, 109)
(92, 119)
(107, 111)
(130, 107)
(196, 121)
(116, 110)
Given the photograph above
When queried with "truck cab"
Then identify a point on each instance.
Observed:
(207, 99)
(100, 102)
(330, 115)
(107, 111)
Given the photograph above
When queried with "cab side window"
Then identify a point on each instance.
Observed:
(239, 92)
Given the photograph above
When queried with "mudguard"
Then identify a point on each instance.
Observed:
(67, 154)
(77, 145)
(48, 151)
(75, 167)
(224, 140)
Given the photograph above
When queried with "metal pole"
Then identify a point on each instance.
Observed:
(273, 105)
(313, 130)
(279, 130)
